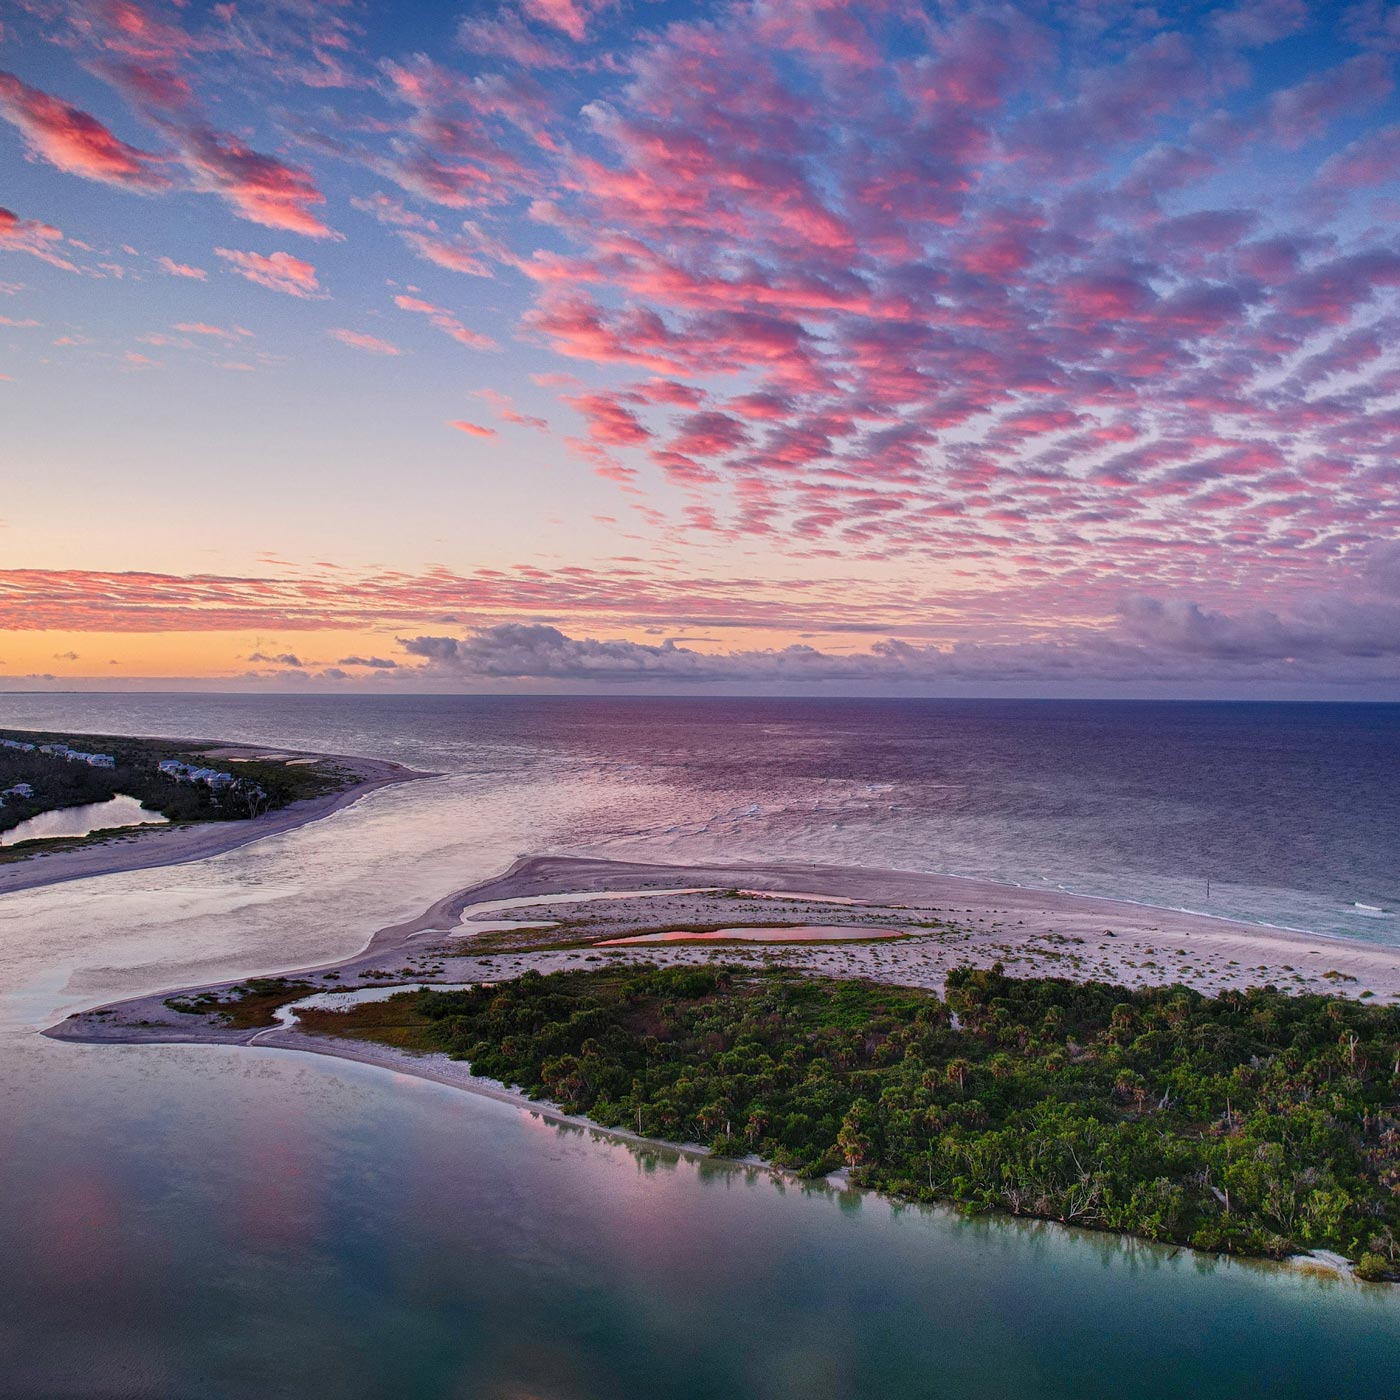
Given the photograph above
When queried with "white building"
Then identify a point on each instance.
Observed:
(187, 773)
(93, 760)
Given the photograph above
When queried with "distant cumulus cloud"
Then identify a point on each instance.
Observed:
(286, 658)
(1331, 640)
(376, 663)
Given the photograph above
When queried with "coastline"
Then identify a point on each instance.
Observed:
(152, 847)
(456, 1074)
(1025, 929)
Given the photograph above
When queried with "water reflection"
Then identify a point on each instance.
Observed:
(83, 820)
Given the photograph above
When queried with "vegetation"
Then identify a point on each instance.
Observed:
(1253, 1122)
(261, 785)
(246, 1007)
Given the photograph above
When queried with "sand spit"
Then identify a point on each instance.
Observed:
(147, 848)
(945, 921)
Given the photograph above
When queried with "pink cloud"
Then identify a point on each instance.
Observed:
(76, 142)
(444, 321)
(1373, 159)
(176, 269)
(38, 239)
(260, 188)
(962, 283)
(571, 17)
(508, 413)
(359, 340)
(216, 332)
(278, 272)
(505, 35)
(609, 422)
(472, 429)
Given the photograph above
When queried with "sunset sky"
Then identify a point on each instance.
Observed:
(595, 344)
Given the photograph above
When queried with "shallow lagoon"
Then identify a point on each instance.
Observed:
(354, 1233)
(118, 811)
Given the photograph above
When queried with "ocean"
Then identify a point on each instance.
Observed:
(1290, 812)
(208, 1221)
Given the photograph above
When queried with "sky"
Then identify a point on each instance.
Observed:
(630, 345)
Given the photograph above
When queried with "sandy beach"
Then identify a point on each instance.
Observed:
(147, 848)
(553, 912)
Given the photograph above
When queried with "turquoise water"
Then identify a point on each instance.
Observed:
(227, 1223)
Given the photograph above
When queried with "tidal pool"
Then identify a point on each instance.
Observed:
(806, 933)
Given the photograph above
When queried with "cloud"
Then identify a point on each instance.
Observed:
(214, 332)
(1324, 629)
(360, 340)
(446, 322)
(279, 272)
(260, 188)
(76, 142)
(505, 35)
(1261, 21)
(958, 297)
(175, 269)
(39, 240)
(571, 17)
(286, 658)
(1163, 640)
(374, 663)
(474, 429)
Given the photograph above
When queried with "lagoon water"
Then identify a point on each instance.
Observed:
(118, 811)
(202, 1221)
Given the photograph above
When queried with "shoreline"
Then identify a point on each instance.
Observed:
(1017, 924)
(156, 846)
(457, 1075)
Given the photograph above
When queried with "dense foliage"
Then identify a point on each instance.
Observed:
(57, 783)
(1254, 1122)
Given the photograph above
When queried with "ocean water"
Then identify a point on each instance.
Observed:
(1291, 812)
(204, 1221)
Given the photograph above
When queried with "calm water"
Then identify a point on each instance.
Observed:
(120, 810)
(209, 1222)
